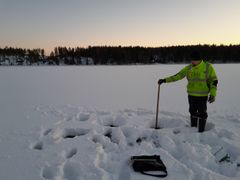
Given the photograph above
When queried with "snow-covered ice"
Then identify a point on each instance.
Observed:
(84, 123)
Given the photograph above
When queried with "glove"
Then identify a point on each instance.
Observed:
(160, 81)
(211, 99)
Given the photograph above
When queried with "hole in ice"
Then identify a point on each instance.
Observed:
(108, 134)
(153, 126)
(111, 125)
(140, 140)
(70, 136)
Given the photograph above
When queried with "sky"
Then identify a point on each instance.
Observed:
(151, 23)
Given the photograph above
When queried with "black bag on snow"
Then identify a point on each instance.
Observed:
(149, 165)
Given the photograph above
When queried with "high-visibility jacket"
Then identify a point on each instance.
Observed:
(202, 79)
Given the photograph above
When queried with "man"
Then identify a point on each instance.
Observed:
(202, 82)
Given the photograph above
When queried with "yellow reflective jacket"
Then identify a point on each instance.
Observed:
(200, 78)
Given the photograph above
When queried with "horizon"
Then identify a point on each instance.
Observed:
(42, 24)
(47, 53)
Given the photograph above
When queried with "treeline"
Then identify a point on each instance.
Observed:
(130, 55)
(32, 55)
(172, 54)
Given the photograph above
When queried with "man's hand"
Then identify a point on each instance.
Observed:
(211, 99)
(160, 81)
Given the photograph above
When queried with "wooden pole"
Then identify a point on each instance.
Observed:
(156, 125)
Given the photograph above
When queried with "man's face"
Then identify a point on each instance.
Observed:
(195, 62)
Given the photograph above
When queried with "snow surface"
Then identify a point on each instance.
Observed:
(86, 122)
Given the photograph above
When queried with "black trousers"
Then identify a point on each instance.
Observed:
(198, 106)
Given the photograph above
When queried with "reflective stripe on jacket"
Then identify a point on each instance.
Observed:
(200, 79)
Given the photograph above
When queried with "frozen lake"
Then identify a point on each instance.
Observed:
(108, 108)
(108, 87)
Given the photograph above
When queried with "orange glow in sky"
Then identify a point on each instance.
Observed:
(47, 24)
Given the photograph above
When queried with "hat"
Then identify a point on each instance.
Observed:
(195, 55)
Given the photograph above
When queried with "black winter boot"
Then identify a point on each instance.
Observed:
(194, 120)
(201, 124)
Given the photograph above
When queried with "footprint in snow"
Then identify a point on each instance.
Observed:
(176, 131)
(37, 146)
(71, 133)
(69, 118)
(111, 121)
(109, 134)
(83, 116)
(78, 117)
(71, 170)
(70, 153)
(46, 131)
(49, 172)
(209, 126)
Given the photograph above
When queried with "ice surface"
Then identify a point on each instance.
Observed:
(86, 122)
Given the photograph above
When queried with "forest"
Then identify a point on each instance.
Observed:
(123, 55)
